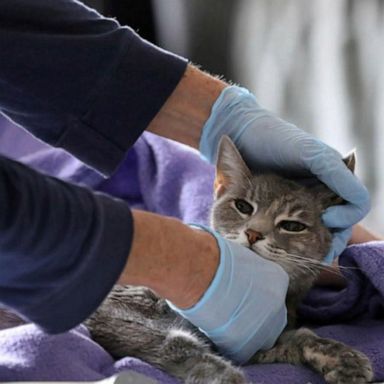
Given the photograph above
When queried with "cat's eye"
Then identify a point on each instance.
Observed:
(292, 226)
(243, 206)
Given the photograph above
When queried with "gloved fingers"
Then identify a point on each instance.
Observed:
(345, 215)
(346, 185)
(339, 243)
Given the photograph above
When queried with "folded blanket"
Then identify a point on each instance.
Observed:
(161, 176)
(157, 175)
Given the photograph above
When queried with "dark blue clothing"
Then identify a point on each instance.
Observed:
(84, 83)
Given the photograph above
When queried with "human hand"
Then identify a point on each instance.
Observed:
(361, 234)
(268, 143)
(243, 310)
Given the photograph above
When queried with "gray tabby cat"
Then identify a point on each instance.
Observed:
(281, 221)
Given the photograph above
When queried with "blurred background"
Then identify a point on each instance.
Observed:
(318, 64)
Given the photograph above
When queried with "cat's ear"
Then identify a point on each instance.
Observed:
(230, 167)
(350, 160)
(325, 195)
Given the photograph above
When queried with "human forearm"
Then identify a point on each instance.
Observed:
(171, 258)
(227, 295)
(183, 115)
(62, 247)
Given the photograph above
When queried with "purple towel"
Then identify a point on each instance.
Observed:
(167, 178)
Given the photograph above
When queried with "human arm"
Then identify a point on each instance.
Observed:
(267, 143)
(219, 286)
(80, 81)
(69, 102)
(183, 115)
(361, 234)
(95, 112)
(161, 260)
(84, 125)
(63, 247)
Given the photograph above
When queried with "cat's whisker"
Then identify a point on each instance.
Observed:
(309, 265)
(282, 255)
(305, 259)
(275, 250)
(353, 268)
(299, 263)
(321, 265)
(314, 268)
(231, 237)
(296, 257)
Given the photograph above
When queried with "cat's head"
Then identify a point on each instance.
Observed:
(277, 218)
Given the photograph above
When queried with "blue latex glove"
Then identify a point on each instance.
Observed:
(243, 310)
(269, 143)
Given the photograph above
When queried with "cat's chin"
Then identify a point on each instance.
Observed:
(260, 251)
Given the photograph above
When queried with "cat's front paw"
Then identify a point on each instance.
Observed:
(212, 369)
(339, 363)
(189, 359)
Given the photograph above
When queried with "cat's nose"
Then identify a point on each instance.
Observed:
(253, 236)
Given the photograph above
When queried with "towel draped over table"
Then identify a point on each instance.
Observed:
(164, 177)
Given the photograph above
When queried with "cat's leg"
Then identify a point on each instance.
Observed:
(133, 321)
(337, 362)
(130, 321)
(190, 359)
(136, 298)
(175, 351)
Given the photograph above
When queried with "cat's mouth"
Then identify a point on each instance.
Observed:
(260, 250)
(256, 248)
(265, 253)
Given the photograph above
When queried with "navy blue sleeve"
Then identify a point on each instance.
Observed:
(62, 247)
(82, 82)
(78, 80)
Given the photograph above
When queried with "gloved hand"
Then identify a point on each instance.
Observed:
(243, 310)
(269, 143)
